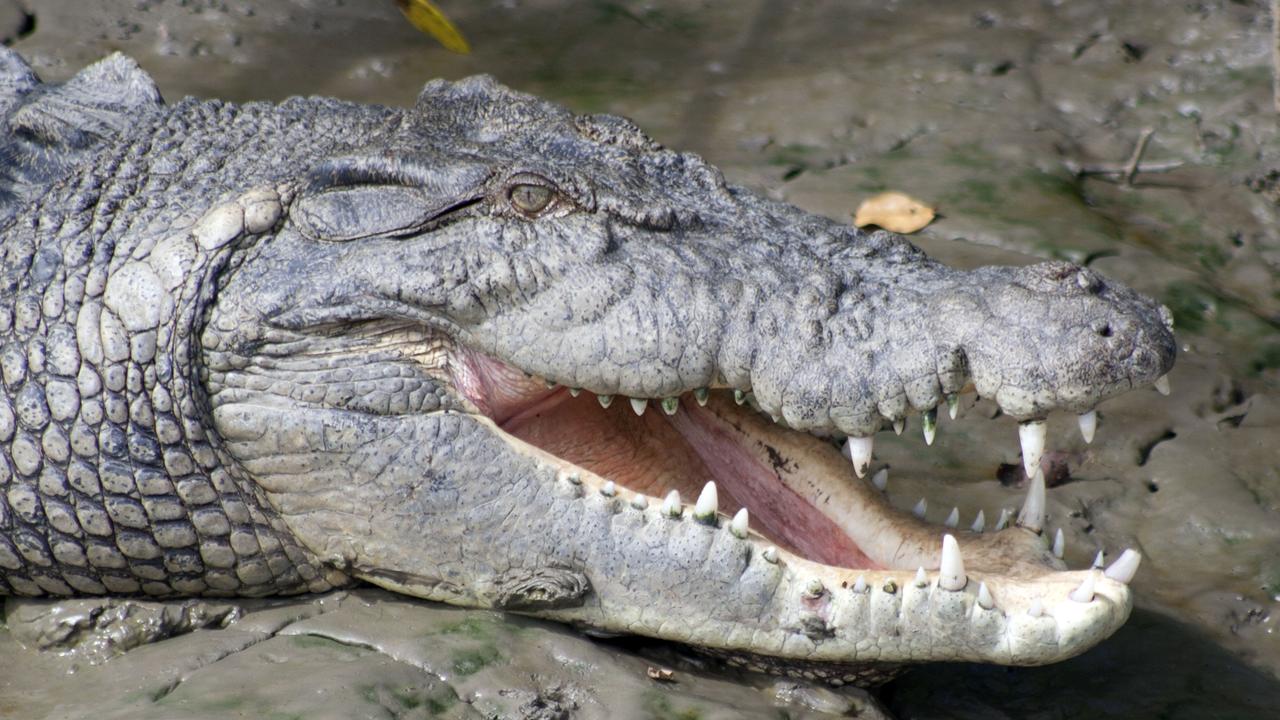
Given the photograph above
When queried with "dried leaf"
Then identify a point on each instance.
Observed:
(895, 212)
(427, 18)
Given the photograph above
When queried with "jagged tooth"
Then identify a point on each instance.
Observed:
(1088, 424)
(575, 392)
(979, 523)
(551, 384)
(770, 555)
(639, 502)
(953, 519)
(881, 479)
(858, 450)
(922, 580)
(573, 478)
(639, 404)
(929, 421)
(610, 489)
(1162, 384)
(1032, 515)
(1084, 593)
(1125, 566)
(740, 524)
(951, 569)
(899, 425)
(953, 405)
(1100, 560)
(670, 405)
(1003, 521)
(671, 504)
(701, 394)
(1031, 435)
(1036, 609)
(605, 400)
(1059, 544)
(739, 397)
(708, 503)
(985, 600)
(921, 508)
(860, 585)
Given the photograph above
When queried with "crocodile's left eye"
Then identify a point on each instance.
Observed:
(529, 198)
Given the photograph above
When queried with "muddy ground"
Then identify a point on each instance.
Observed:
(998, 113)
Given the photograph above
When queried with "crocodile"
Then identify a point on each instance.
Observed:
(481, 351)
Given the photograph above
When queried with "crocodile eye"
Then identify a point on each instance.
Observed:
(530, 199)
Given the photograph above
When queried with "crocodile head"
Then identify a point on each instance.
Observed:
(486, 356)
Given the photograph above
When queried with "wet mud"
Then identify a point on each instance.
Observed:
(1018, 120)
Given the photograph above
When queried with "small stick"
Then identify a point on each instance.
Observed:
(1120, 170)
(1131, 168)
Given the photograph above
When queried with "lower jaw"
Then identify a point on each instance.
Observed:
(849, 571)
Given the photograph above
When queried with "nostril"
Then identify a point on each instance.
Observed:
(1105, 331)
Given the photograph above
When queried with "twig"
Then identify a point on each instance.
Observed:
(1118, 170)
(1131, 168)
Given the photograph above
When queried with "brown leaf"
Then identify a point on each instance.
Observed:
(895, 212)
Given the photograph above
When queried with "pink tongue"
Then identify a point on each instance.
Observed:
(775, 509)
(656, 453)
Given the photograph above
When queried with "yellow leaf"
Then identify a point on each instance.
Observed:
(431, 21)
(895, 212)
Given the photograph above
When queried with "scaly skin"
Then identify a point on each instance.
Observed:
(277, 348)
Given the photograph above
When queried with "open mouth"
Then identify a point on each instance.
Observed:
(707, 456)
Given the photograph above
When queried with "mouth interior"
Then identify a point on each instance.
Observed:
(655, 453)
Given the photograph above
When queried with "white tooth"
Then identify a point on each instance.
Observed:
(1084, 593)
(984, 597)
(979, 523)
(1100, 560)
(881, 479)
(929, 422)
(1088, 424)
(860, 585)
(899, 425)
(921, 508)
(1125, 566)
(1031, 435)
(1162, 384)
(953, 405)
(770, 555)
(670, 405)
(1032, 515)
(1036, 609)
(550, 384)
(814, 587)
(953, 519)
(739, 397)
(922, 580)
(708, 503)
(700, 395)
(1059, 544)
(671, 504)
(741, 521)
(574, 478)
(639, 404)
(574, 392)
(605, 400)
(639, 502)
(951, 569)
(1003, 521)
(858, 450)
(609, 490)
